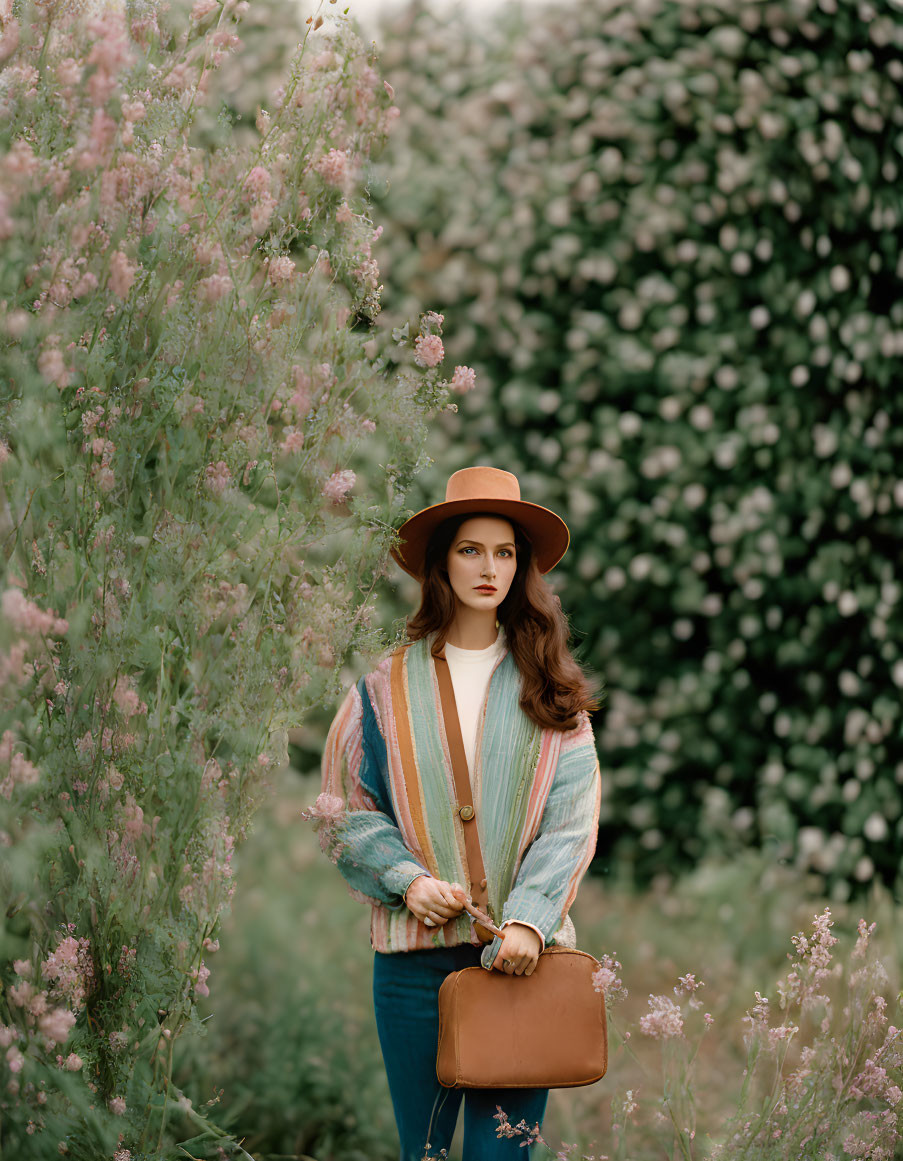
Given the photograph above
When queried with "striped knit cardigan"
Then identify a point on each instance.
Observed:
(536, 793)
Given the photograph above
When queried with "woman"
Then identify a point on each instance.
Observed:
(402, 833)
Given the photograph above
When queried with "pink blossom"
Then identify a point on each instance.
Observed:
(328, 808)
(53, 368)
(343, 213)
(71, 969)
(281, 270)
(57, 1024)
(663, 1021)
(368, 425)
(23, 968)
(218, 477)
(687, 985)
(21, 771)
(127, 699)
(201, 976)
(122, 274)
(865, 933)
(85, 285)
(133, 111)
(333, 167)
(338, 486)
(25, 616)
(9, 39)
(262, 212)
(212, 289)
(203, 8)
(293, 440)
(428, 350)
(463, 380)
(68, 72)
(607, 980)
(14, 1059)
(258, 181)
(73, 1062)
(122, 1155)
(7, 1035)
(117, 1105)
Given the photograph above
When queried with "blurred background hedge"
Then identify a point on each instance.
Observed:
(667, 235)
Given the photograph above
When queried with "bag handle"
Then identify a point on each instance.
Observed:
(484, 919)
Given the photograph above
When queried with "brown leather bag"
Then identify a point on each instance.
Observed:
(545, 1030)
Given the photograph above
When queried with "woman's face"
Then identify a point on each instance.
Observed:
(482, 554)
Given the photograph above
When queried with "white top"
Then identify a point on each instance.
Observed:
(470, 670)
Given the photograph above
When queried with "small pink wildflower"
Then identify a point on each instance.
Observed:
(428, 350)
(293, 441)
(463, 380)
(14, 1059)
(53, 368)
(687, 985)
(122, 274)
(865, 933)
(214, 288)
(607, 980)
(201, 976)
(73, 1062)
(333, 167)
(117, 1105)
(664, 1021)
(338, 486)
(203, 8)
(57, 1024)
(217, 477)
(328, 808)
(25, 616)
(281, 270)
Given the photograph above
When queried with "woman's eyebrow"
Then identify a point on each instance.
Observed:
(479, 543)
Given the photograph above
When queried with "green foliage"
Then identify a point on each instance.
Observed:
(290, 1059)
(667, 236)
(290, 1062)
(190, 390)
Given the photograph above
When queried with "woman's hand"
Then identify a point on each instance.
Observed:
(519, 951)
(433, 901)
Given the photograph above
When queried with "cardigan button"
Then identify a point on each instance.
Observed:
(467, 813)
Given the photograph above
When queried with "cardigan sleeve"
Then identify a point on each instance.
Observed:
(354, 814)
(556, 860)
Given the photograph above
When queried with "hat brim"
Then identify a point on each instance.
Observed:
(548, 533)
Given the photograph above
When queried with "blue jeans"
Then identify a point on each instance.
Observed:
(405, 997)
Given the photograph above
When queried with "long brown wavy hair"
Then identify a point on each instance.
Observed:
(554, 688)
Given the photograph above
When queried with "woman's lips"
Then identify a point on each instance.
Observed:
(486, 589)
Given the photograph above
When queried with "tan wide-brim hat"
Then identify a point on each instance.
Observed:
(483, 489)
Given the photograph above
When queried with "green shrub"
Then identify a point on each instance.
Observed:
(667, 236)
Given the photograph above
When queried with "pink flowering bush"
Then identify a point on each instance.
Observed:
(193, 522)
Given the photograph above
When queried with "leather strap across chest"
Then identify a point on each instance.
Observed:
(464, 807)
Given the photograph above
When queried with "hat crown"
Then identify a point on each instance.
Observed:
(482, 483)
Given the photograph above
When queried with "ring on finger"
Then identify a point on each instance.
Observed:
(429, 922)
